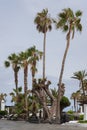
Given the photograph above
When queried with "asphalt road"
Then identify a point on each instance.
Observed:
(22, 125)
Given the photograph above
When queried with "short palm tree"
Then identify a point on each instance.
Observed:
(36, 55)
(18, 100)
(75, 96)
(43, 24)
(13, 60)
(24, 62)
(69, 23)
(85, 86)
(81, 75)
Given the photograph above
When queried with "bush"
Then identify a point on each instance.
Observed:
(71, 117)
(70, 112)
(3, 113)
(81, 117)
(64, 103)
(82, 121)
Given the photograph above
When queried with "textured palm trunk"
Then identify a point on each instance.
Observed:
(16, 84)
(16, 81)
(44, 52)
(14, 66)
(83, 89)
(25, 78)
(54, 102)
(33, 76)
(41, 91)
(58, 118)
(25, 89)
(44, 105)
(83, 95)
(44, 64)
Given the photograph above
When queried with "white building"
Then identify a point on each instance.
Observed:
(85, 111)
(2, 105)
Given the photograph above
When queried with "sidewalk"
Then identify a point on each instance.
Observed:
(75, 123)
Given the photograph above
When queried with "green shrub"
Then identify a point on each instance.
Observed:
(81, 117)
(70, 112)
(82, 121)
(2, 113)
(71, 117)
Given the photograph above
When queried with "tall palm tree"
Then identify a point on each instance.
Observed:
(69, 23)
(43, 24)
(13, 60)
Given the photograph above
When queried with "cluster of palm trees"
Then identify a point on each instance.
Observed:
(22, 60)
(26, 59)
(68, 22)
(80, 96)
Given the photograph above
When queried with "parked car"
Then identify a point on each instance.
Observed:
(65, 117)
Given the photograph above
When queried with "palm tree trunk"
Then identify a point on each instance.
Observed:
(16, 81)
(44, 105)
(25, 79)
(60, 78)
(44, 64)
(25, 89)
(44, 51)
(33, 76)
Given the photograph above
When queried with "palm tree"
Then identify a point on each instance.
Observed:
(24, 62)
(69, 23)
(13, 60)
(81, 75)
(18, 100)
(13, 94)
(36, 55)
(43, 24)
(85, 86)
(27, 58)
(75, 96)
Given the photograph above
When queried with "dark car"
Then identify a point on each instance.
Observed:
(65, 117)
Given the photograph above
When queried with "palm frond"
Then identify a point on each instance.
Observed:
(63, 15)
(78, 13)
(65, 28)
(61, 23)
(7, 63)
(79, 27)
(43, 21)
(69, 13)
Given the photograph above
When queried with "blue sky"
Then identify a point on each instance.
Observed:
(18, 32)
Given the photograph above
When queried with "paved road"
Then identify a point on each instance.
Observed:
(21, 125)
